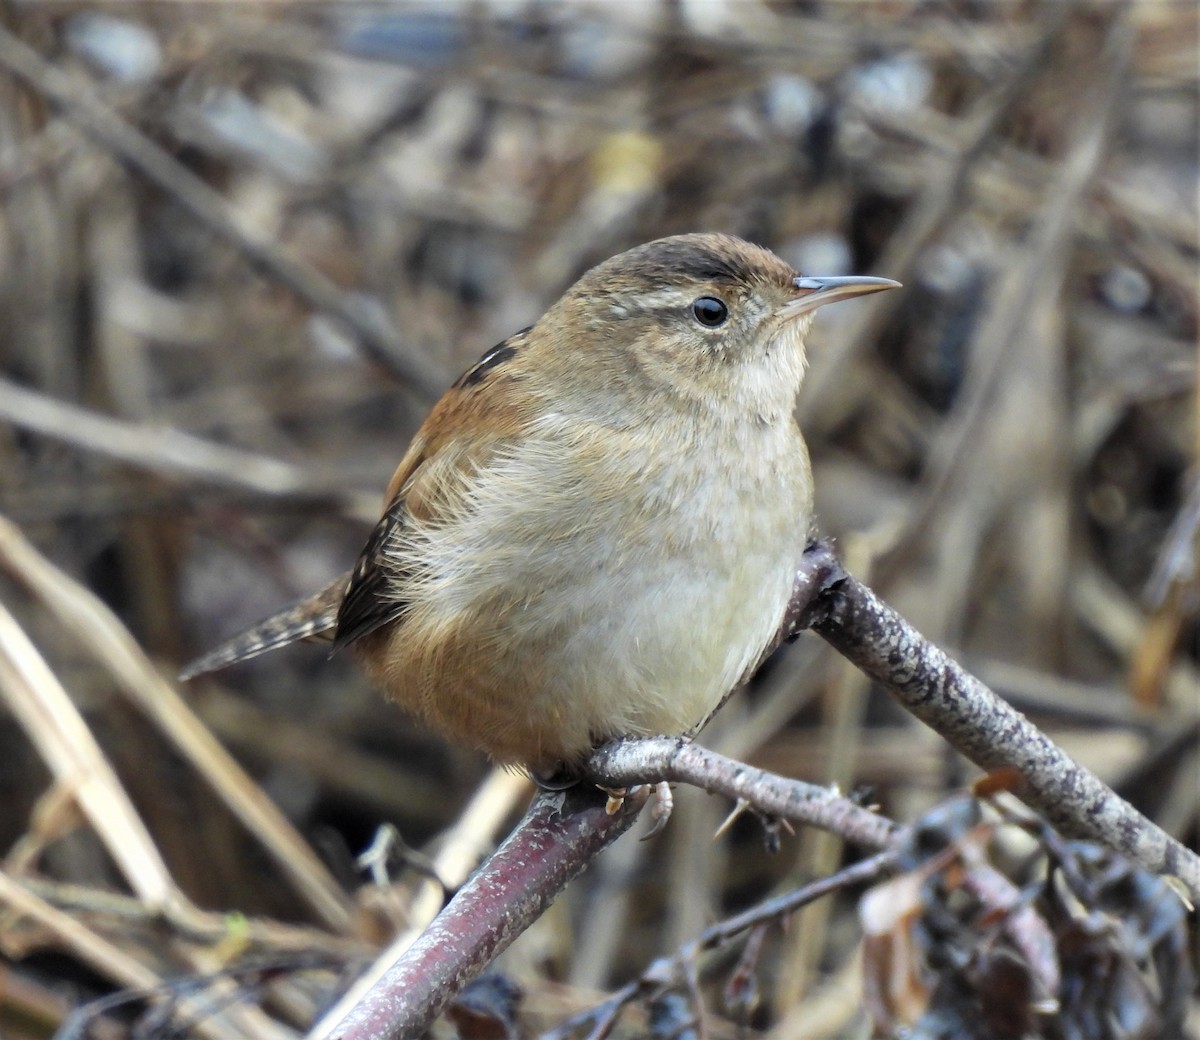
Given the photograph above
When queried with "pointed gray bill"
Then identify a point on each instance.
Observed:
(820, 291)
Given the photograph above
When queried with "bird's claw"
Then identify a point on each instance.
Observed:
(616, 799)
(660, 812)
(664, 802)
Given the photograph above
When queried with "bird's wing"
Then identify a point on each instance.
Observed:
(462, 434)
(468, 428)
(311, 618)
(369, 602)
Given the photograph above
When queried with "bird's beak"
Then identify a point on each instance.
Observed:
(820, 291)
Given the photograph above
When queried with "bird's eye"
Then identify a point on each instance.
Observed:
(710, 311)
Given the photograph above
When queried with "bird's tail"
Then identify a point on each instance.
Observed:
(311, 618)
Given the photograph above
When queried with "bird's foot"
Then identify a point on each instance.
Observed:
(660, 813)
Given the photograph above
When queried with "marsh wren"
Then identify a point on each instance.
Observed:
(595, 531)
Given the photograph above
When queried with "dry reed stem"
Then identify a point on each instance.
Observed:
(81, 612)
(369, 323)
(171, 452)
(111, 961)
(75, 760)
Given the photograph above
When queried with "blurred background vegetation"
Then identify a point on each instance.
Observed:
(279, 228)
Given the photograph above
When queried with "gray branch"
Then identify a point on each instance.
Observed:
(641, 760)
(991, 733)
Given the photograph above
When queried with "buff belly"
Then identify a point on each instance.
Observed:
(637, 619)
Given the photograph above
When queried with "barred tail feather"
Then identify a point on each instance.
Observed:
(312, 618)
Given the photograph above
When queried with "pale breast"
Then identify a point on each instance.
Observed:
(583, 593)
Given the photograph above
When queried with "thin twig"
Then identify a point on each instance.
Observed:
(488, 913)
(623, 763)
(667, 970)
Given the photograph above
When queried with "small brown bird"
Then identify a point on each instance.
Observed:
(594, 533)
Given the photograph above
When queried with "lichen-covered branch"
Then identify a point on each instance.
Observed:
(991, 733)
(622, 763)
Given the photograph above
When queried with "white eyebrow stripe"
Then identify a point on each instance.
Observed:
(659, 300)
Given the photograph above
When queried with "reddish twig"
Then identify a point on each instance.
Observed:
(557, 838)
